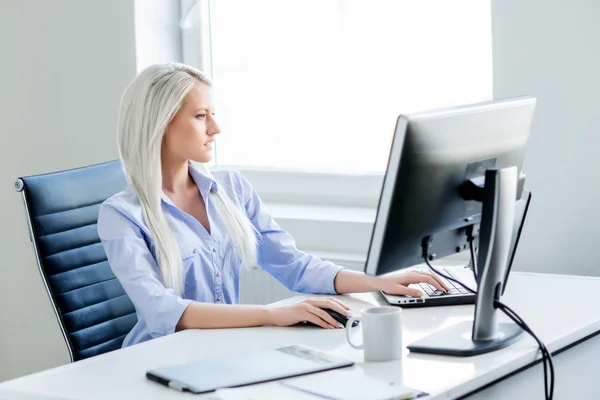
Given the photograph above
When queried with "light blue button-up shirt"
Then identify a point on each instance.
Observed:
(210, 267)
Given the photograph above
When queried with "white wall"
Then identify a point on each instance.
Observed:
(64, 64)
(157, 32)
(549, 49)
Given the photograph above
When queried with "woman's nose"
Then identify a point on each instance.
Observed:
(213, 128)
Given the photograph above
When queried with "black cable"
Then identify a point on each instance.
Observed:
(471, 240)
(431, 267)
(546, 355)
(473, 259)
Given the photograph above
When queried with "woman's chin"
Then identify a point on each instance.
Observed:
(203, 158)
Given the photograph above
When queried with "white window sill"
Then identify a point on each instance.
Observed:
(322, 213)
(339, 234)
(314, 188)
(328, 215)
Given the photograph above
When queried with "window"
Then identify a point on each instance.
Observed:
(318, 84)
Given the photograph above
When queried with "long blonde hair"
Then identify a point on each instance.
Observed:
(148, 104)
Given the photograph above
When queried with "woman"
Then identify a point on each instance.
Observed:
(180, 235)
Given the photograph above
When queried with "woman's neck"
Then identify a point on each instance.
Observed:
(175, 176)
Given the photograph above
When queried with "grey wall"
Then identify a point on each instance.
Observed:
(63, 67)
(549, 49)
(65, 64)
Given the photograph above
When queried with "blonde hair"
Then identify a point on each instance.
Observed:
(148, 104)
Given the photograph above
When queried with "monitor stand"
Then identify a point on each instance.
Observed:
(484, 333)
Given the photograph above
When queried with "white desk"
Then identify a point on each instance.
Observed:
(562, 310)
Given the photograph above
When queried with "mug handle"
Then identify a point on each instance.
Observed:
(349, 329)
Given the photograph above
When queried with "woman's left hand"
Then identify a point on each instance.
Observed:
(397, 283)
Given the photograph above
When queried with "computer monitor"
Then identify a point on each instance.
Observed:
(452, 172)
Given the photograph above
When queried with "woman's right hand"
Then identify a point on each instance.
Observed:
(310, 310)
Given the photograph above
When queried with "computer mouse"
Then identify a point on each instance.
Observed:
(342, 319)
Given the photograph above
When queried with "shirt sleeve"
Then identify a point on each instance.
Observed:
(278, 255)
(136, 269)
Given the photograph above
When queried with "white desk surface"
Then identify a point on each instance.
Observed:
(559, 308)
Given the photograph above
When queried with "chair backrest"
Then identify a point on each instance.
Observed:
(92, 308)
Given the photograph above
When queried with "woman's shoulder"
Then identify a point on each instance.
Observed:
(121, 215)
(127, 198)
(124, 203)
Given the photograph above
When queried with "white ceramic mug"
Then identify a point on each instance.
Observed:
(381, 332)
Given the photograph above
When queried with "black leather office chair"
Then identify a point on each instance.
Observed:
(93, 311)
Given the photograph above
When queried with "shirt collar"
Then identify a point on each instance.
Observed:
(202, 178)
(204, 182)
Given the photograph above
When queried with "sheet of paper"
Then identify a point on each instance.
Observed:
(348, 385)
(266, 391)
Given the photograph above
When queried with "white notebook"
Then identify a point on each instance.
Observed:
(246, 368)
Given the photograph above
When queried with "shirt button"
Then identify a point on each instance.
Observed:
(218, 274)
(214, 250)
(219, 298)
(195, 251)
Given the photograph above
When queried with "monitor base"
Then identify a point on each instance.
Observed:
(457, 340)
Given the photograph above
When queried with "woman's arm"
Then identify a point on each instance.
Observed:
(164, 312)
(206, 315)
(277, 252)
(305, 273)
(347, 281)
(357, 282)
(133, 264)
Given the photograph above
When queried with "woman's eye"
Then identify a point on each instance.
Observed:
(201, 116)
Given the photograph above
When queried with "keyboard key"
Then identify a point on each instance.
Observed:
(427, 289)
